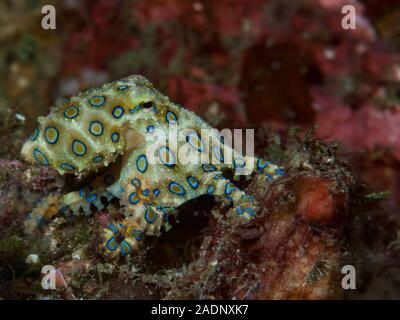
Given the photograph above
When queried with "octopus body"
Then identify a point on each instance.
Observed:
(115, 127)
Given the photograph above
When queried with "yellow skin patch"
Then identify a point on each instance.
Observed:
(108, 127)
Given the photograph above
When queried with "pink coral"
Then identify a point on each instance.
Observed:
(366, 127)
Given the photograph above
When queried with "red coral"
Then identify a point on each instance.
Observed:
(104, 36)
(363, 128)
(315, 200)
(291, 252)
(198, 96)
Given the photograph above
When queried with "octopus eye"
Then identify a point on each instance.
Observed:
(147, 105)
(143, 105)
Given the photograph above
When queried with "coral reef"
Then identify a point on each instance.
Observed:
(294, 249)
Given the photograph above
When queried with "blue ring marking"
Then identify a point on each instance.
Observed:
(210, 189)
(180, 191)
(109, 246)
(137, 234)
(249, 211)
(98, 159)
(247, 197)
(146, 192)
(141, 163)
(44, 161)
(268, 177)
(164, 211)
(136, 182)
(34, 135)
(122, 87)
(115, 137)
(230, 187)
(208, 167)
(163, 159)
(193, 182)
(134, 198)
(81, 192)
(122, 244)
(140, 106)
(239, 210)
(171, 117)
(219, 176)
(74, 144)
(67, 167)
(91, 197)
(108, 179)
(236, 163)
(189, 138)
(218, 154)
(165, 216)
(51, 141)
(147, 215)
(118, 112)
(150, 129)
(76, 109)
(262, 164)
(93, 103)
(156, 192)
(155, 108)
(113, 228)
(91, 129)
(280, 172)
